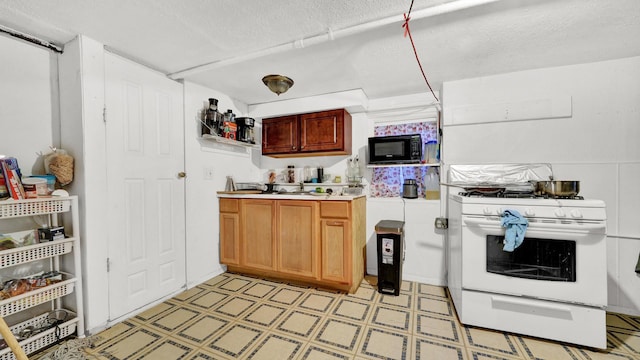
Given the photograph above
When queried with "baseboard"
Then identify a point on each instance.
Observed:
(623, 310)
(217, 271)
(413, 277)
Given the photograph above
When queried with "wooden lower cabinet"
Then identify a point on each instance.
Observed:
(298, 245)
(257, 234)
(230, 231)
(314, 241)
(336, 250)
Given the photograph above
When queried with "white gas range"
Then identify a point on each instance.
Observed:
(554, 285)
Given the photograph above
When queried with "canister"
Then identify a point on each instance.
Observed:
(431, 154)
(51, 182)
(410, 189)
(34, 187)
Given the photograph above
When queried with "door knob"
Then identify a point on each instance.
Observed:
(182, 174)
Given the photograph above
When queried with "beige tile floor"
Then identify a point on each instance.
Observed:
(238, 317)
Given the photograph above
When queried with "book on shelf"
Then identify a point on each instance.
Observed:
(11, 174)
(4, 192)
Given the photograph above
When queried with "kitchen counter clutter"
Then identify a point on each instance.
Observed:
(319, 240)
(307, 195)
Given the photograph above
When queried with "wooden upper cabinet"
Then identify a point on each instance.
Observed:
(312, 134)
(326, 131)
(280, 135)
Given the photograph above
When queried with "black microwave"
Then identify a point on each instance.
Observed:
(396, 149)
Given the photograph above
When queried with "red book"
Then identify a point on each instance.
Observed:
(4, 192)
(12, 179)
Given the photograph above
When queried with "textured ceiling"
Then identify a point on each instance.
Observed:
(230, 45)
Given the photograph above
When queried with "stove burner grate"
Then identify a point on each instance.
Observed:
(501, 193)
(573, 197)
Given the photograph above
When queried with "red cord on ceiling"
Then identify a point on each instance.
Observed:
(407, 31)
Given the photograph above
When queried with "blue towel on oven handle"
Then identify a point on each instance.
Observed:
(516, 226)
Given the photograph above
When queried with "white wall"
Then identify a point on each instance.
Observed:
(597, 144)
(207, 165)
(424, 260)
(82, 132)
(28, 109)
(28, 96)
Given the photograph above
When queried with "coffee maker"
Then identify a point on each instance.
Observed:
(212, 119)
(245, 130)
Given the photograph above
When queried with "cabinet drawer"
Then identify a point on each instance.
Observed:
(229, 205)
(335, 209)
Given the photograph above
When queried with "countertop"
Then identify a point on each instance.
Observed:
(291, 196)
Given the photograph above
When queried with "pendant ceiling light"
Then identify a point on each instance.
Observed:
(277, 83)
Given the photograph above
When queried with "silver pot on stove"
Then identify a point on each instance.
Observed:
(557, 188)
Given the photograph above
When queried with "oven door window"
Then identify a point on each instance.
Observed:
(539, 259)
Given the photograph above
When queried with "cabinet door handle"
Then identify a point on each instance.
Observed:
(302, 147)
(293, 148)
(335, 223)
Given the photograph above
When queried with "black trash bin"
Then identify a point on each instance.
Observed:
(390, 235)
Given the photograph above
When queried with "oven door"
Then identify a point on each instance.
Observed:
(558, 260)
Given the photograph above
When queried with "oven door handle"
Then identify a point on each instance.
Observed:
(587, 227)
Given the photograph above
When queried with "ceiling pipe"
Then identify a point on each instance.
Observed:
(332, 35)
(31, 39)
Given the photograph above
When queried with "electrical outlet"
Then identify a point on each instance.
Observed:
(208, 173)
(441, 223)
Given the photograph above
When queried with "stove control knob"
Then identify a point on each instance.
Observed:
(500, 211)
(529, 212)
(486, 211)
(575, 213)
(559, 213)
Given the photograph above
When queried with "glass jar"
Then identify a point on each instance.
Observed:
(291, 174)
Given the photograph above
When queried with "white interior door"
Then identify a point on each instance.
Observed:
(145, 155)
